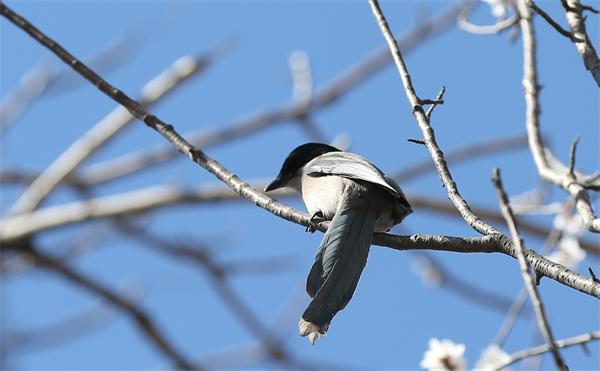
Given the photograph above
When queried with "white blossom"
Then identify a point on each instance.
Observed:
(492, 356)
(444, 355)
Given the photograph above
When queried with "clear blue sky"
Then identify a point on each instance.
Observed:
(393, 314)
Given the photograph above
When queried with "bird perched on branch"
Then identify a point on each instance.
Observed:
(358, 199)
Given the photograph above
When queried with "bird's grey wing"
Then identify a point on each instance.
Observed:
(352, 166)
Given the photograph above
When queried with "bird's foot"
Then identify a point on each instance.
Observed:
(312, 331)
(314, 220)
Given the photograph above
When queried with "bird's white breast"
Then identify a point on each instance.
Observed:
(322, 194)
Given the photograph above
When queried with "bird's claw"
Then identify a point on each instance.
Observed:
(314, 220)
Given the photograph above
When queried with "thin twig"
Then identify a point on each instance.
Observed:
(572, 157)
(417, 141)
(532, 352)
(594, 278)
(437, 100)
(540, 312)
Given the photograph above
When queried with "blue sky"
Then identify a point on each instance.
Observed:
(393, 314)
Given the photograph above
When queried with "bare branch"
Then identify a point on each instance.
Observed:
(532, 352)
(428, 133)
(541, 155)
(574, 13)
(493, 242)
(540, 312)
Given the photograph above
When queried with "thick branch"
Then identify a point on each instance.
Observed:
(574, 13)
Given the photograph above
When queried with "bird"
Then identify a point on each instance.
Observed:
(358, 199)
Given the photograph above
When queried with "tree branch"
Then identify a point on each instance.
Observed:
(493, 242)
(538, 307)
(428, 133)
(574, 13)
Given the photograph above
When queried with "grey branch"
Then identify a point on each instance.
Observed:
(574, 13)
(437, 155)
(493, 242)
(528, 279)
(544, 160)
(428, 133)
(536, 351)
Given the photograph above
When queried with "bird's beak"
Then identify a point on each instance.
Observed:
(277, 183)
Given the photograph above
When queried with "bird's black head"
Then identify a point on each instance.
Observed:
(299, 157)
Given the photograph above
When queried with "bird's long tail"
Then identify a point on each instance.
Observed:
(337, 268)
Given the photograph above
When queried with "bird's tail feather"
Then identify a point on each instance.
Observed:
(337, 268)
